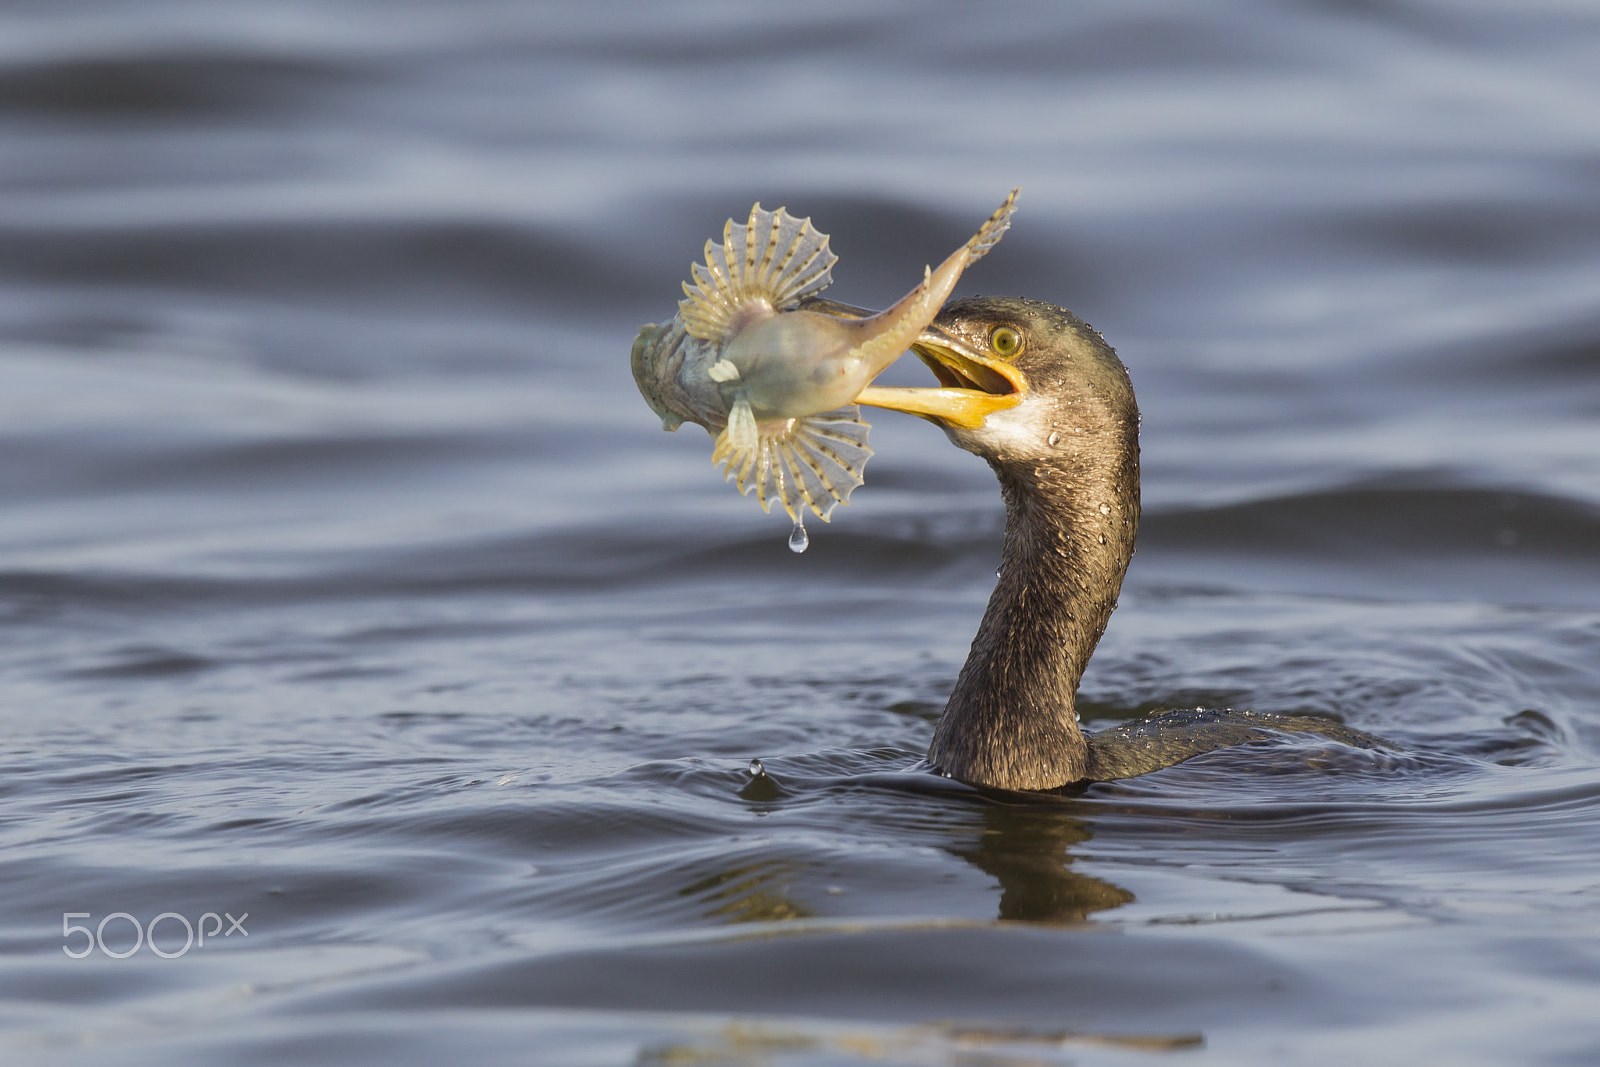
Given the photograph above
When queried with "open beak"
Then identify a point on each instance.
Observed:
(972, 384)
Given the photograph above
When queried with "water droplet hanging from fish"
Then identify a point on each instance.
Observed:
(772, 372)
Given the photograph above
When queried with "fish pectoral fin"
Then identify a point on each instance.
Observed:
(741, 432)
(774, 259)
(738, 445)
(816, 462)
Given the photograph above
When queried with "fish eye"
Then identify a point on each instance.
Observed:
(1005, 341)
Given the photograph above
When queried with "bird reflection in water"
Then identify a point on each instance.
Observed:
(1023, 842)
(1025, 848)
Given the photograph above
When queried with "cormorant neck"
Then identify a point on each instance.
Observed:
(1071, 517)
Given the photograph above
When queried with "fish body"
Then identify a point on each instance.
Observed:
(798, 362)
(775, 382)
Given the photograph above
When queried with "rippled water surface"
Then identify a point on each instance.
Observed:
(350, 591)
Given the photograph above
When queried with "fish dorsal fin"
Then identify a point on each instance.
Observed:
(773, 261)
(815, 462)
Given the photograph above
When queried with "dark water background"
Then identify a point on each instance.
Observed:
(347, 583)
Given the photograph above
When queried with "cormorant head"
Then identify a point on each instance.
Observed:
(1019, 380)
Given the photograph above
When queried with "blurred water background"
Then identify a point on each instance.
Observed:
(347, 584)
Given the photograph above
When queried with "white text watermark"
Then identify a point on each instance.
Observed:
(124, 927)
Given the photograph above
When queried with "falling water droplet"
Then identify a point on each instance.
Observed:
(757, 769)
(1055, 438)
(799, 541)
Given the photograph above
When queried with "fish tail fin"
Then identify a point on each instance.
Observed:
(887, 334)
(815, 462)
(993, 228)
(774, 259)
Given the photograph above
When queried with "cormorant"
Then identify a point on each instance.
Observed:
(1038, 393)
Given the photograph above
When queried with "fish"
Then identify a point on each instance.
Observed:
(772, 370)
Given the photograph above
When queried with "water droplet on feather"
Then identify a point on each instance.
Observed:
(798, 539)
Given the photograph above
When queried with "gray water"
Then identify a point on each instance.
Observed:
(350, 591)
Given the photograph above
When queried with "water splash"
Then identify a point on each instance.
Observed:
(757, 769)
(799, 540)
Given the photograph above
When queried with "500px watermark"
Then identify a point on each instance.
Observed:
(96, 938)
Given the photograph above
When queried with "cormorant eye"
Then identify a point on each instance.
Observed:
(1005, 341)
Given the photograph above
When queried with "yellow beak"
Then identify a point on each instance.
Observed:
(972, 384)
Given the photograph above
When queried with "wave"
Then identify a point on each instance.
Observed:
(218, 83)
(344, 261)
(1365, 521)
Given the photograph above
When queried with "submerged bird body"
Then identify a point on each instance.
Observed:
(774, 381)
(1036, 392)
